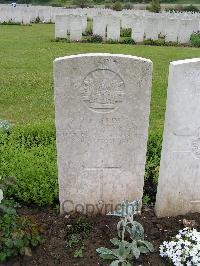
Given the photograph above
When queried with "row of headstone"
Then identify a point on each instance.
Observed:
(108, 27)
(70, 25)
(102, 106)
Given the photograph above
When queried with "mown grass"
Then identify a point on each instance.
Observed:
(26, 76)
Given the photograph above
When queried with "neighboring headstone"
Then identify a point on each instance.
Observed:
(62, 25)
(102, 104)
(138, 30)
(171, 30)
(151, 28)
(76, 27)
(113, 28)
(186, 28)
(179, 180)
(99, 25)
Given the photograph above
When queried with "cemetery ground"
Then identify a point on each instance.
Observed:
(28, 151)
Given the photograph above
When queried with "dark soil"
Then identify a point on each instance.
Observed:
(55, 229)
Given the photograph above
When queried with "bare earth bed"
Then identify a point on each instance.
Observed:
(54, 251)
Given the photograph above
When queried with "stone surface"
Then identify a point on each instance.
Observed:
(102, 104)
(113, 28)
(186, 28)
(62, 25)
(138, 30)
(151, 28)
(171, 30)
(76, 27)
(179, 180)
(99, 25)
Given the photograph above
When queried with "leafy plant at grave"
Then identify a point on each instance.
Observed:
(127, 41)
(195, 39)
(117, 6)
(18, 234)
(130, 242)
(28, 152)
(125, 32)
(37, 20)
(75, 235)
(95, 39)
(152, 164)
(10, 22)
(154, 6)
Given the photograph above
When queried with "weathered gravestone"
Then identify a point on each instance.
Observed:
(102, 104)
(179, 180)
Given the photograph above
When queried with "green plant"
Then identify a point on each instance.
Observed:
(125, 32)
(10, 22)
(117, 6)
(128, 6)
(155, 6)
(159, 42)
(128, 41)
(78, 253)
(37, 20)
(96, 39)
(29, 153)
(152, 164)
(146, 199)
(18, 233)
(134, 244)
(112, 41)
(195, 39)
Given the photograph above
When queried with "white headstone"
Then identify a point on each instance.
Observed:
(151, 28)
(171, 30)
(99, 25)
(102, 104)
(186, 28)
(113, 28)
(179, 180)
(62, 25)
(138, 30)
(76, 27)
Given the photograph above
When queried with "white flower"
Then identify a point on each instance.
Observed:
(1, 195)
(184, 249)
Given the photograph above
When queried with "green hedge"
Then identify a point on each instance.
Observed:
(29, 154)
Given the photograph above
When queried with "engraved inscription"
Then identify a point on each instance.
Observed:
(102, 90)
(196, 144)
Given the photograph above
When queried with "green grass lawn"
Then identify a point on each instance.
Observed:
(26, 76)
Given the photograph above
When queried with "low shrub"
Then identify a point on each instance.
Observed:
(154, 42)
(117, 6)
(152, 164)
(10, 22)
(195, 39)
(18, 233)
(96, 39)
(154, 6)
(128, 6)
(29, 154)
(179, 8)
(110, 41)
(125, 32)
(127, 41)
